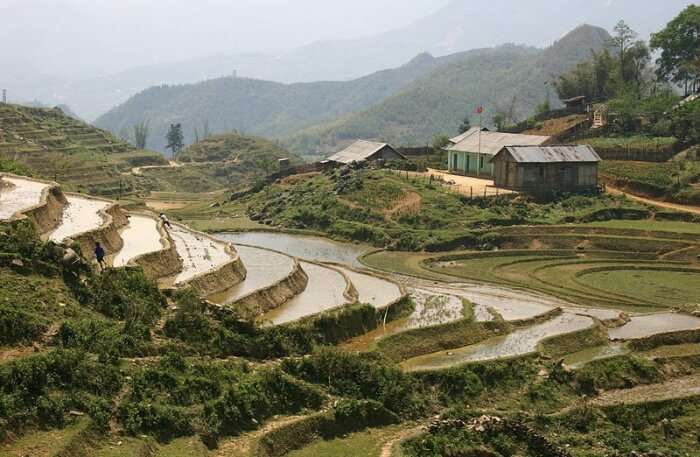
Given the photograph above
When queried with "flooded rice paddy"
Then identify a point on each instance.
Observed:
(199, 253)
(302, 247)
(80, 216)
(264, 267)
(323, 292)
(21, 195)
(372, 290)
(520, 342)
(654, 324)
(140, 237)
(580, 358)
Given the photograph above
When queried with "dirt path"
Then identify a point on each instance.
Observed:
(673, 389)
(660, 204)
(241, 446)
(388, 448)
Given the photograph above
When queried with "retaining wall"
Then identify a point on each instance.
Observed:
(107, 234)
(48, 213)
(163, 263)
(268, 298)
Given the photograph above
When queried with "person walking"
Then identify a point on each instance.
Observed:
(165, 220)
(100, 255)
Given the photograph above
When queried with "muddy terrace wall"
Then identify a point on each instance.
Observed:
(46, 215)
(219, 279)
(268, 298)
(107, 234)
(163, 263)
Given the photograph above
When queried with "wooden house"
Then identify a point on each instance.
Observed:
(546, 168)
(365, 151)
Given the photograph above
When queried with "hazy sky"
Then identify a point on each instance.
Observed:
(133, 32)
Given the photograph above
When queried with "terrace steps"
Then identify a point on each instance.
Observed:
(277, 287)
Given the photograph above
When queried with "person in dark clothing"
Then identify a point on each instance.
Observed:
(165, 220)
(100, 255)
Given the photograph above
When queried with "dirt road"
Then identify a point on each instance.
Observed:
(660, 204)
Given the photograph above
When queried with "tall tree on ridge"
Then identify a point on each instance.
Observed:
(679, 43)
(141, 132)
(175, 139)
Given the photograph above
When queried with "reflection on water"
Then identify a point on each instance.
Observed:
(653, 324)
(580, 358)
(303, 247)
(373, 291)
(520, 342)
(264, 269)
(323, 292)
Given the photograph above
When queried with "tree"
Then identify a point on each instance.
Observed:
(543, 107)
(465, 125)
(499, 120)
(679, 43)
(205, 132)
(623, 39)
(141, 132)
(175, 139)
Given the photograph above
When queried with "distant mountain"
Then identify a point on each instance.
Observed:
(458, 26)
(504, 78)
(407, 105)
(264, 108)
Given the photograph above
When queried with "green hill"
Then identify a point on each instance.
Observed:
(219, 162)
(53, 145)
(259, 107)
(504, 79)
(407, 105)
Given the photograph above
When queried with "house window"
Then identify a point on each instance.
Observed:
(481, 162)
(466, 166)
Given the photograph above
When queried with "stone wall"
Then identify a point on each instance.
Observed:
(163, 263)
(107, 234)
(48, 213)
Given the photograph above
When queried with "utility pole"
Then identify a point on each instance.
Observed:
(4, 96)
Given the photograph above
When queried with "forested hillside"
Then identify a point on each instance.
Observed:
(409, 104)
(509, 80)
(259, 107)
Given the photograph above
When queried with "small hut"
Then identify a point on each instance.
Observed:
(365, 151)
(546, 168)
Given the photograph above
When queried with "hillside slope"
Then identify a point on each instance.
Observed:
(259, 107)
(56, 146)
(229, 161)
(495, 78)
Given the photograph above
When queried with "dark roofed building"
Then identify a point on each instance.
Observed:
(543, 168)
(365, 151)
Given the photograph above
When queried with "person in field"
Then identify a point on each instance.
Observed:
(165, 220)
(100, 255)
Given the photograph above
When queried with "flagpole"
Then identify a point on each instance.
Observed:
(478, 160)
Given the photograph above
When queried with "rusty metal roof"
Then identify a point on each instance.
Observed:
(548, 154)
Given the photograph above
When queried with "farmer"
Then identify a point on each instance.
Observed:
(100, 255)
(165, 220)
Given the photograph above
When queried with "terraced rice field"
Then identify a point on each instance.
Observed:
(20, 195)
(653, 324)
(80, 216)
(264, 267)
(323, 292)
(519, 342)
(199, 253)
(140, 237)
(372, 290)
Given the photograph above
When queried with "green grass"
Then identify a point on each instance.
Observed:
(666, 288)
(183, 447)
(631, 142)
(363, 444)
(647, 225)
(44, 443)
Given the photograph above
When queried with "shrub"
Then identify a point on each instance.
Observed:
(616, 373)
(127, 294)
(353, 414)
(18, 326)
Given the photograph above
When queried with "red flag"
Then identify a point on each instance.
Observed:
(479, 109)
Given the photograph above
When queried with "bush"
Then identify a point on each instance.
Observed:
(353, 415)
(18, 326)
(616, 373)
(127, 294)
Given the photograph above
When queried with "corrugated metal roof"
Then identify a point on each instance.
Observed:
(492, 142)
(359, 151)
(548, 154)
(469, 132)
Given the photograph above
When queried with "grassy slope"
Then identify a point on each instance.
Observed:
(230, 161)
(55, 146)
(674, 181)
(385, 209)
